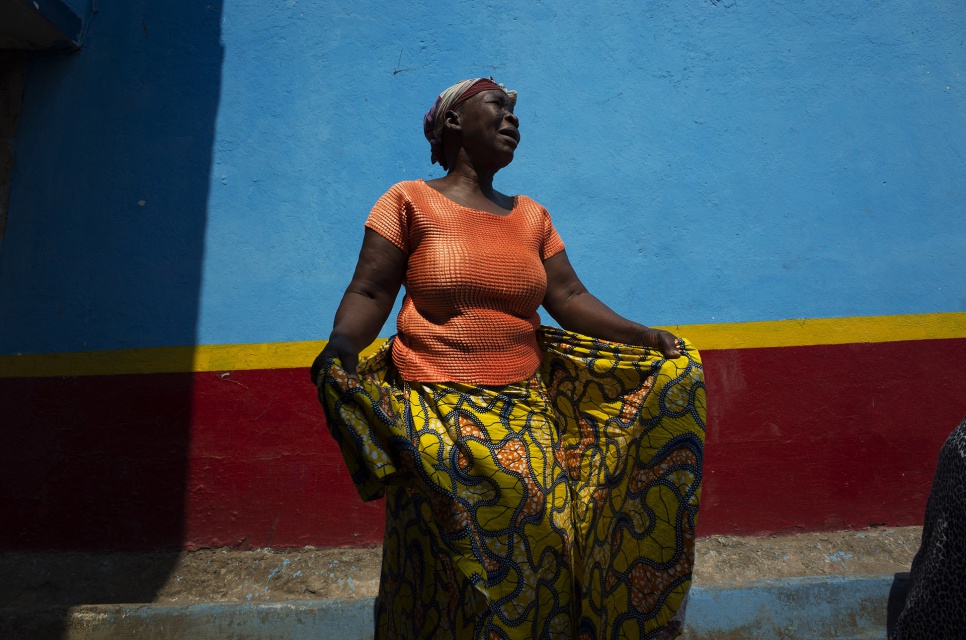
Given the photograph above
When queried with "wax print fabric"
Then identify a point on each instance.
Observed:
(560, 506)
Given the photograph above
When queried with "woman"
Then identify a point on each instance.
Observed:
(539, 482)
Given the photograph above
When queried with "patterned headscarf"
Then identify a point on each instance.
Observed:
(448, 100)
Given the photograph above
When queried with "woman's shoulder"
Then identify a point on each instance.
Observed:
(412, 191)
(525, 200)
(535, 210)
(401, 194)
(406, 187)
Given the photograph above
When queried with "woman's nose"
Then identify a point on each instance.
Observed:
(513, 119)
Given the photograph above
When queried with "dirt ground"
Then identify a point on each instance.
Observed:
(226, 575)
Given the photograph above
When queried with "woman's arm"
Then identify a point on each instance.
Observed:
(366, 304)
(576, 309)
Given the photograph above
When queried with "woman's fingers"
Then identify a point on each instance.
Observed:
(349, 362)
(337, 349)
(667, 343)
(676, 349)
(670, 346)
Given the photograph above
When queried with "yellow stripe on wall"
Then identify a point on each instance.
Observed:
(288, 355)
(816, 331)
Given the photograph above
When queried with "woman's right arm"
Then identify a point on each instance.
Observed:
(367, 302)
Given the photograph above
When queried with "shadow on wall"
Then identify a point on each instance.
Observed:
(102, 250)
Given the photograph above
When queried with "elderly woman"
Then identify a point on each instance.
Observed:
(539, 482)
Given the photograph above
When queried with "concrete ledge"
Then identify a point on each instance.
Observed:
(829, 607)
(316, 619)
(839, 608)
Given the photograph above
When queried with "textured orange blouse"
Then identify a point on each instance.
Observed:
(474, 281)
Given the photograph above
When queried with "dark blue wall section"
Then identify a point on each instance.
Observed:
(105, 237)
(104, 247)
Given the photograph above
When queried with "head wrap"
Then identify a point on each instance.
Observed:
(449, 100)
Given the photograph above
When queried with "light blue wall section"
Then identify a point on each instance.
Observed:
(704, 161)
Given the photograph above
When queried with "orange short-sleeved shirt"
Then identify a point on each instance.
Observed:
(474, 281)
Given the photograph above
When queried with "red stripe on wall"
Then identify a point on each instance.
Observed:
(172, 461)
(827, 437)
(264, 470)
(799, 438)
(94, 463)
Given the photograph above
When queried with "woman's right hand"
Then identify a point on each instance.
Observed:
(340, 348)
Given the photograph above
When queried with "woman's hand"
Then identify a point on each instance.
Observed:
(665, 342)
(341, 349)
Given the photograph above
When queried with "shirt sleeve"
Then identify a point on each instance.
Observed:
(552, 242)
(390, 217)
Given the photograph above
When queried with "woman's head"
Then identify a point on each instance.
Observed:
(451, 100)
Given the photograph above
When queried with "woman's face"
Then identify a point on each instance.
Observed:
(489, 130)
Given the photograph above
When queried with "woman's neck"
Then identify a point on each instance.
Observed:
(473, 189)
(468, 180)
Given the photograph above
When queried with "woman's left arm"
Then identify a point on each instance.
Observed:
(576, 309)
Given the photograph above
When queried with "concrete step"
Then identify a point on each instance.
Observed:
(811, 608)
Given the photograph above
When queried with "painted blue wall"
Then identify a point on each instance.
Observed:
(705, 161)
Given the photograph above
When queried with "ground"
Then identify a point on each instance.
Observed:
(226, 575)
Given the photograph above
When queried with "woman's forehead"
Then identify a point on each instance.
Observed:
(498, 93)
(489, 95)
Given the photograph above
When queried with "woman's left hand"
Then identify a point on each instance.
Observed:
(665, 342)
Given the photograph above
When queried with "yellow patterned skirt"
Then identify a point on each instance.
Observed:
(562, 506)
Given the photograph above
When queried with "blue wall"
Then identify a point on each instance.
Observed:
(200, 173)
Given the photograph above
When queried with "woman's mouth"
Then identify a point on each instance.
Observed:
(512, 134)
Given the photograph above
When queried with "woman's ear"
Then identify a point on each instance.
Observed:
(452, 120)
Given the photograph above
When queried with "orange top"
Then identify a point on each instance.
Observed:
(473, 283)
